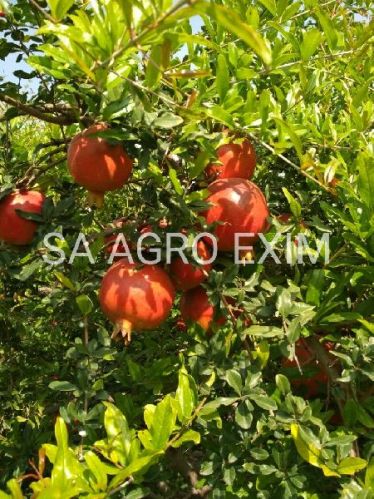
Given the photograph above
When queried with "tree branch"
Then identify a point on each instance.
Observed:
(36, 113)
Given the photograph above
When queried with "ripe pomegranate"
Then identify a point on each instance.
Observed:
(14, 229)
(98, 165)
(237, 161)
(189, 275)
(135, 297)
(240, 207)
(196, 308)
(313, 376)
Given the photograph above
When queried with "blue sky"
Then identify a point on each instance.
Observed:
(10, 65)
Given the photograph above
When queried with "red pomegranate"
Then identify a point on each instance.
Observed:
(14, 229)
(240, 207)
(190, 275)
(110, 242)
(96, 164)
(237, 161)
(313, 377)
(196, 308)
(136, 297)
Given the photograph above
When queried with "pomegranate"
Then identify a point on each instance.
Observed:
(313, 376)
(14, 229)
(240, 207)
(98, 165)
(196, 307)
(136, 297)
(237, 161)
(189, 275)
(110, 242)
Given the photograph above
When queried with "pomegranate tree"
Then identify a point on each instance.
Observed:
(14, 229)
(237, 206)
(96, 164)
(235, 161)
(136, 297)
(189, 275)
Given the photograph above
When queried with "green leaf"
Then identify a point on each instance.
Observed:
(222, 77)
(230, 20)
(234, 379)
(98, 470)
(295, 206)
(186, 394)
(85, 304)
(243, 415)
(175, 181)
(309, 452)
(168, 120)
(351, 465)
(140, 464)
(366, 181)
(369, 475)
(62, 386)
(315, 286)
(67, 471)
(265, 402)
(295, 139)
(221, 115)
(270, 5)
(328, 29)
(119, 435)
(163, 423)
(311, 40)
(65, 281)
(15, 488)
(188, 436)
(154, 69)
(282, 384)
(59, 8)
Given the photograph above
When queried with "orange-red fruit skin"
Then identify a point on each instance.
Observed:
(14, 229)
(96, 164)
(196, 308)
(189, 275)
(241, 207)
(140, 295)
(238, 161)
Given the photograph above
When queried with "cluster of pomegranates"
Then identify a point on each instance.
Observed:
(138, 297)
(94, 163)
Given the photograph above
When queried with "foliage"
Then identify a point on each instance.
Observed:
(187, 415)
